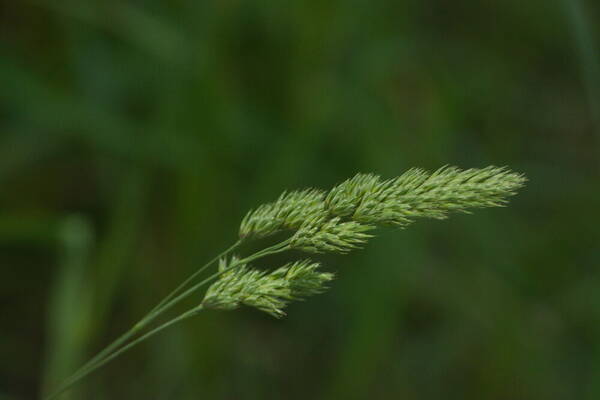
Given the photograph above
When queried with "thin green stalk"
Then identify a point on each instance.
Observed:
(106, 354)
(148, 317)
(278, 248)
(193, 276)
(123, 349)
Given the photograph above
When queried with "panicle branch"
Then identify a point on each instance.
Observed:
(338, 221)
(267, 291)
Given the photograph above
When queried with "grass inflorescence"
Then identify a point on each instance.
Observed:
(335, 221)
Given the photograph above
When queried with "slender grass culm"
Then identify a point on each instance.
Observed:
(338, 221)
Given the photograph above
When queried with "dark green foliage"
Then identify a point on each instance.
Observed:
(159, 124)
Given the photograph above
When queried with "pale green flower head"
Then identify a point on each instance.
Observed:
(450, 189)
(419, 194)
(339, 220)
(267, 291)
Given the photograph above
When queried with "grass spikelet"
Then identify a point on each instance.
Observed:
(333, 235)
(289, 212)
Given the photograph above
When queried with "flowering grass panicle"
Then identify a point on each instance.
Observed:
(337, 221)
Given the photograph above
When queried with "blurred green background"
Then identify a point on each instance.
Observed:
(134, 136)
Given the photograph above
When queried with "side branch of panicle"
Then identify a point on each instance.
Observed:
(339, 220)
(267, 291)
(419, 194)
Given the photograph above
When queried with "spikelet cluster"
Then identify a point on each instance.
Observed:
(289, 211)
(419, 194)
(333, 235)
(267, 291)
(339, 220)
(344, 198)
(342, 220)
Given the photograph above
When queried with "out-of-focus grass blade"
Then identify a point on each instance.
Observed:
(116, 248)
(70, 309)
(77, 313)
(589, 54)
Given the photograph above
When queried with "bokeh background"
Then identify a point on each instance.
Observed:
(134, 136)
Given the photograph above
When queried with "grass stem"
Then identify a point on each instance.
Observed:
(113, 349)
